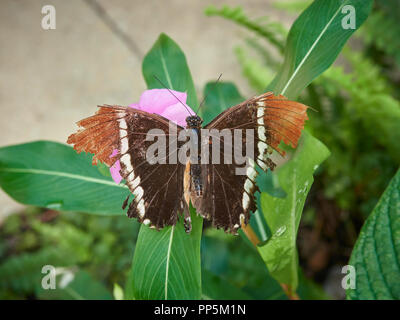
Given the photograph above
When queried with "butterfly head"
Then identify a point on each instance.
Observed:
(194, 122)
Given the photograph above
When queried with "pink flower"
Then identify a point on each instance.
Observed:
(162, 102)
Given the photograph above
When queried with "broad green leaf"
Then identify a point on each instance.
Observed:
(219, 97)
(53, 175)
(166, 61)
(314, 41)
(376, 255)
(166, 263)
(283, 214)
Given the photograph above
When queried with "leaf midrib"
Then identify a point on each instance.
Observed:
(167, 262)
(311, 49)
(166, 70)
(62, 174)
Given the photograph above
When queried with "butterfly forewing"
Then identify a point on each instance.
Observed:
(157, 188)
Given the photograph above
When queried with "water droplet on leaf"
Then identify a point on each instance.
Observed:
(280, 231)
(55, 205)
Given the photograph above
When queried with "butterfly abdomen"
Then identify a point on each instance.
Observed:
(197, 183)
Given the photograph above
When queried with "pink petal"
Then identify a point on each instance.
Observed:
(114, 170)
(162, 102)
(157, 100)
(177, 113)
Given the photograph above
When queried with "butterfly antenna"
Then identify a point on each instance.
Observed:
(205, 97)
(172, 94)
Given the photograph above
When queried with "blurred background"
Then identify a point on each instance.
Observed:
(49, 79)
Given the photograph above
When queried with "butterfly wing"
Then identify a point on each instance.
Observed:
(273, 119)
(157, 188)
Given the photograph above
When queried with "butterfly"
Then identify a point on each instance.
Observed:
(163, 192)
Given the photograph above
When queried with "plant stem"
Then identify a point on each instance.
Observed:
(252, 236)
(288, 291)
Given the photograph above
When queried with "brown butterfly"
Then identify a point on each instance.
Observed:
(163, 191)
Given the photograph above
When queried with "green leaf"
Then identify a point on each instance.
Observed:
(376, 255)
(283, 214)
(53, 175)
(219, 97)
(166, 263)
(166, 61)
(314, 41)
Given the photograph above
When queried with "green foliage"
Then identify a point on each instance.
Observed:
(219, 97)
(166, 61)
(371, 100)
(272, 32)
(257, 74)
(382, 29)
(311, 50)
(359, 122)
(283, 214)
(100, 245)
(216, 288)
(233, 269)
(292, 6)
(376, 255)
(53, 175)
(230, 260)
(166, 264)
(77, 286)
(22, 274)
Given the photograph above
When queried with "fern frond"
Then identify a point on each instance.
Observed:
(268, 31)
(383, 30)
(74, 242)
(370, 97)
(267, 57)
(295, 6)
(256, 73)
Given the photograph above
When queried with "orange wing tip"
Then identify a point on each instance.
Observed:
(284, 120)
(99, 134)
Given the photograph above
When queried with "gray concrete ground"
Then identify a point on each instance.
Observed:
(50, 79)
